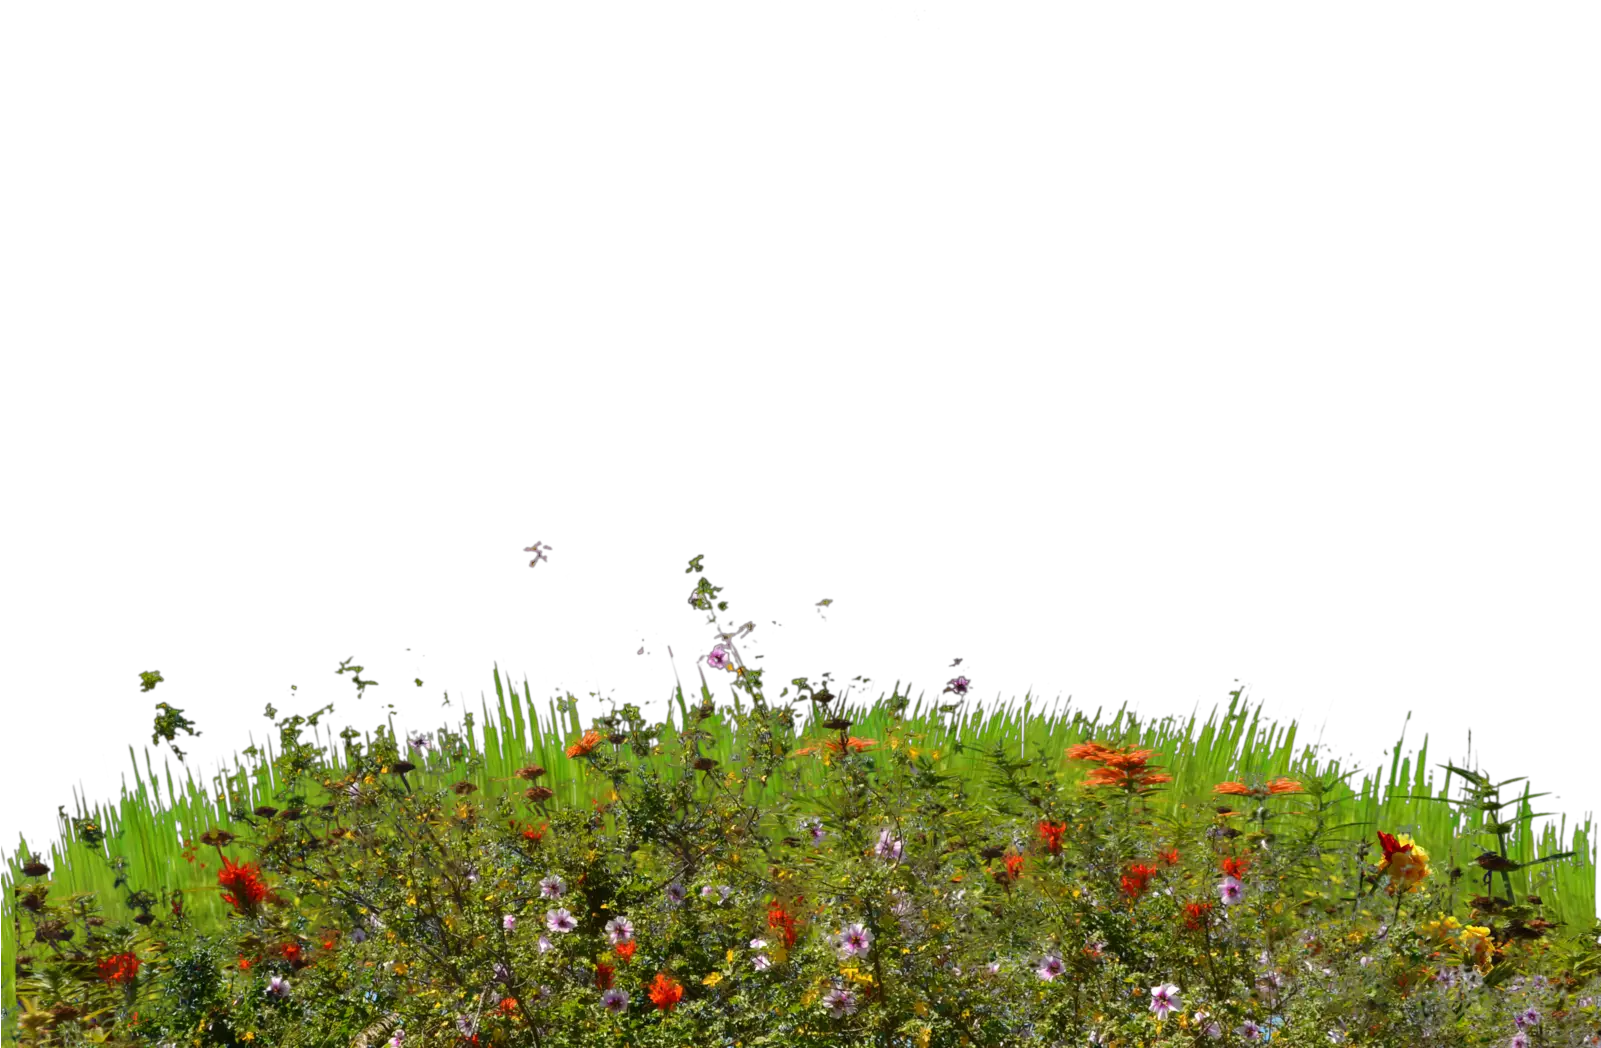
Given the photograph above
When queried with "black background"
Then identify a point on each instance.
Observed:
(236, 607)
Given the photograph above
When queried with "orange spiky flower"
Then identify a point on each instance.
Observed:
(590, 740)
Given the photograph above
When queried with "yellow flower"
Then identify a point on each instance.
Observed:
(1409, 868)
(713, 979)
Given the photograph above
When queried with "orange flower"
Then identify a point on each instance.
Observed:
(1014, 866)
(1113, 776)
(536, 835)
(665, 992)
(1171, 856)
(1278, 785)
(1088, 751)
(1052, 835)
(508, 1005)
(1124, 769)
(1236, 867)
(833, 745)
(625, 950)
(590, 740)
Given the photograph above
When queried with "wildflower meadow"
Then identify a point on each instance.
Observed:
(797, 871)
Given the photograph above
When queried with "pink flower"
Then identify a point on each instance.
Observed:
(1164, 999)
(855, 941)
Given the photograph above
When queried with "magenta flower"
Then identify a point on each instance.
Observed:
(1051, 967)
(560, 921)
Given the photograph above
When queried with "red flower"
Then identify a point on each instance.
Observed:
(1052, 835)
(625, 950)
(246, 888)
(1135, 881)
(119, 968)
(508, 1005)
(1171, 856)
(779, 917)
(665, 992)
(1391, 846)
(1195, 914)
(1236, 866)
(244, 964)
(1014, 866)
(536, 835)
(290, 951)
(603, 975)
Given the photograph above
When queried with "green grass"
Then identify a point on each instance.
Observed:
(142, 828)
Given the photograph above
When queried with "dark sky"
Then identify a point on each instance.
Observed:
(232, 610)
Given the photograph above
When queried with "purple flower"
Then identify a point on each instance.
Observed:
(815, 827)
(889, 846)
(619, 930)
(959, 685)
(675, 894)
(840, 1002)
(544, 943)
(616, 1001)
(560, 920)
(1250, 1031)
(279, 986)
(761, 963)
(1051, 967)
(718, 658)
(1528, 1018)
(508, 921)
(1232, 889)
(358, 935)
(552, 887)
